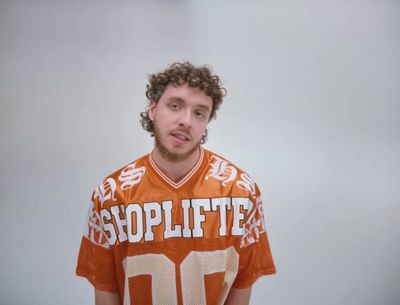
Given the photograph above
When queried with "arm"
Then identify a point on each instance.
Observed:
(106, 298)
(238, 296)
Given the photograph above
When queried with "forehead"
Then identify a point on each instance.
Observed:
(186, 94)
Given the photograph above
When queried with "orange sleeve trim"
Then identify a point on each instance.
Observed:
(256, 276)
(96, 284)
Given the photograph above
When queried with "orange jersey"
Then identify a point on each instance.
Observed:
(160, 242)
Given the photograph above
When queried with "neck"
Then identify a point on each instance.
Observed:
(175, 170)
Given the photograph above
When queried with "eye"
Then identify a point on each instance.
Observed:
(200, 114)
(174, 106)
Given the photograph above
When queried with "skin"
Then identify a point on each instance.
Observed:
(180, 118)
(238, 296)
(106, 298)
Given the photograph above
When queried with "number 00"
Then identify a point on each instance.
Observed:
(193, 268)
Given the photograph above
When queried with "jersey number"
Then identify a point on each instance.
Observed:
(194, 267)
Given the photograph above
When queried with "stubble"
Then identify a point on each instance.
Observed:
(169, 155)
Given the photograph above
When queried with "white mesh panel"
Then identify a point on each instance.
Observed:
(198, 264)
(162, 271)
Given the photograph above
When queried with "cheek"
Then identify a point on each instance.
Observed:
(200, 130)
(163, 122)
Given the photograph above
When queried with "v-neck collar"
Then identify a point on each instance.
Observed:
(181, 182)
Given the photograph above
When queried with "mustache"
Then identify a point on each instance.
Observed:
(184, 130)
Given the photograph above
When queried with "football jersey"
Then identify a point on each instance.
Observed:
(156, 241)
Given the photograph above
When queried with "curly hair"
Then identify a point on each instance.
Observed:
(178, 74)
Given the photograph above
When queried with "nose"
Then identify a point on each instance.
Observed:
(185, 119)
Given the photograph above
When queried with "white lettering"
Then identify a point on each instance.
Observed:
(237, 204)
(131, 175)
(108, 227)
(149, 208)
(222, 171)
(222, 204)
(94, 230)
(142, 222)
(116, 210)
(106, 190)
(246, 183)
(137, 224)
(199, 218)
(169, 231)
(186, 230)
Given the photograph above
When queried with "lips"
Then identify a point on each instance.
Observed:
(180, 136)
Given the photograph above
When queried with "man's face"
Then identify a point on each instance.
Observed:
(180, 119)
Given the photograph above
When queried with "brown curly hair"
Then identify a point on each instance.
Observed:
(179, 74)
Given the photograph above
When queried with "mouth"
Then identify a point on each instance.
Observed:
(180, 136)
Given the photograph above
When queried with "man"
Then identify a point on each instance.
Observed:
(180, 225)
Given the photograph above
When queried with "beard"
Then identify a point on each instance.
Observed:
(169, 155)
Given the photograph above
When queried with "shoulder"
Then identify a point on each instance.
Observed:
(120, 180)
(214, 158)
(227, 173)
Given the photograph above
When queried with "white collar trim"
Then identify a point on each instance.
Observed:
(177, 185)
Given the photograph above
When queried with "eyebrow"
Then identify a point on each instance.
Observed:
(176, 99)
(181, 100)
(204, 107)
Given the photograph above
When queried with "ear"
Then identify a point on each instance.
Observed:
(152, 108)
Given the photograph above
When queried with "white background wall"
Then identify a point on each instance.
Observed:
(312, 112)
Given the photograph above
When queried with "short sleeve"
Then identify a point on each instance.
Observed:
(255, 253)
(96, 257)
